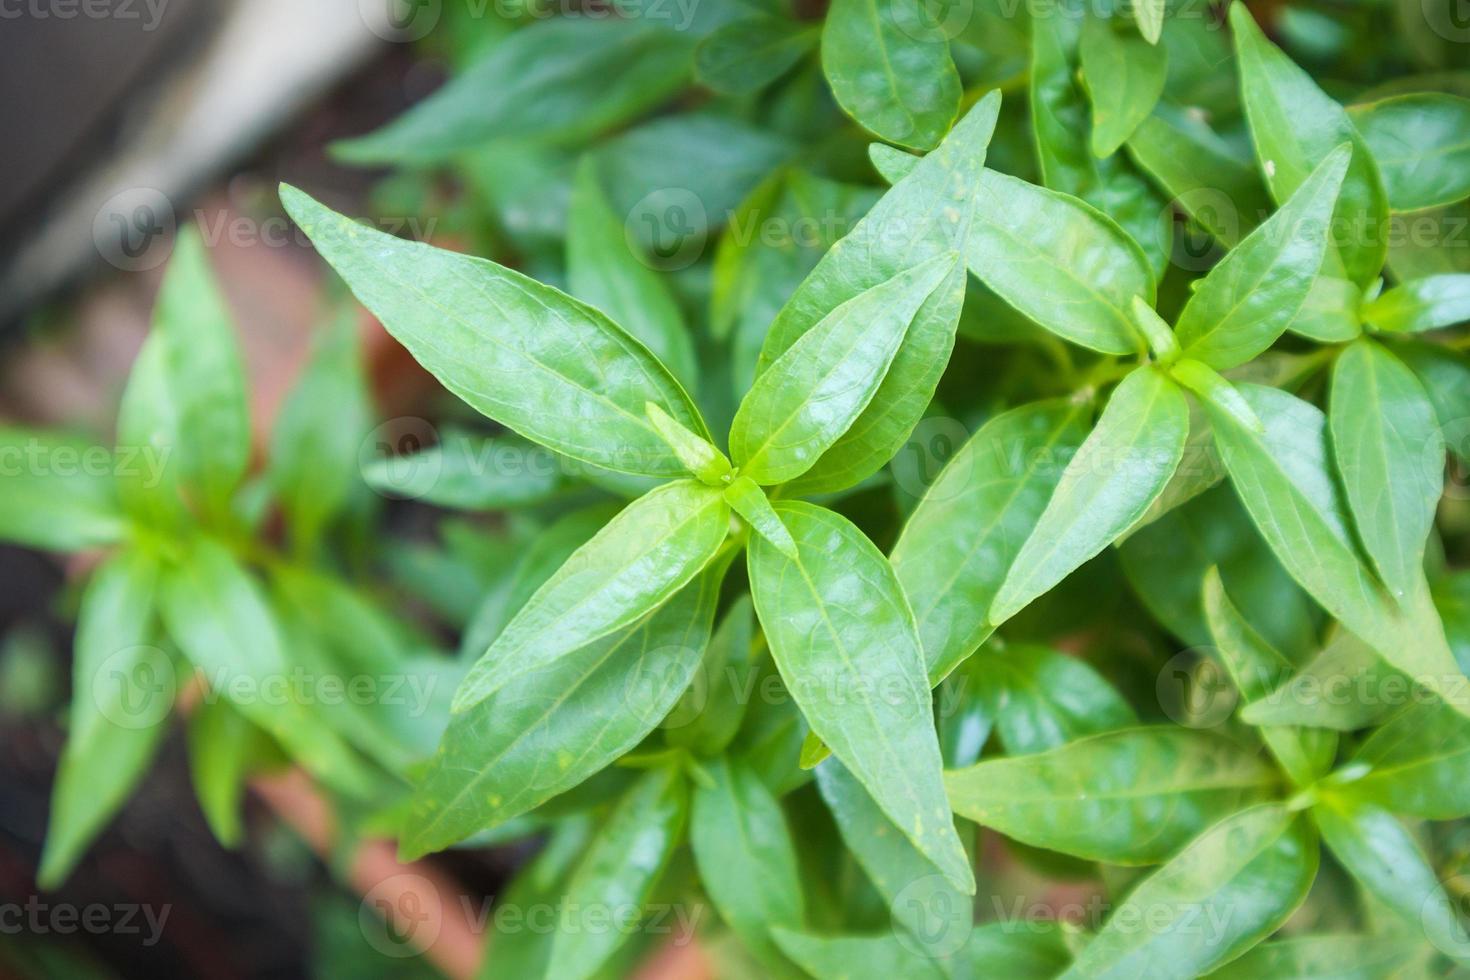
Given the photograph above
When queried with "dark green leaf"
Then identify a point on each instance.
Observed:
(1421, 304)
(749, 54)
(1420, 144)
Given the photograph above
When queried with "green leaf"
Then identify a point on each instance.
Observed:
(1150, 17)
(1341, 956)
(466, 471)
(957, 546)
(206, 382)
(525, 952)
(879, 957)
(1257, 668)
(1282, 474)
(619, 871)
(1445, 375)
(1390, 455)
(1127, 797)
(1125, 77)
(317, 436)
(1419, 143)
(1047, 699)
(747, 55)
(1247, 301)
(1418, 764)
(1201, 172)
(709, 714)
(603, 271)
(750, 502)
(59, 493)
(803, 403)
(217, 615)
(1060, 122)
(221, 742)
(532, 358)
(1117, 473)
(631, 567)
(1295, 126)
(746, 856)
(1321, 694)
(938, 917)
(148, 430)
(1060, 262)
(891, 70)
(546, 732)
(1331, 312)
(122, 698)
(843, 636)
(560, 79)
(698, 455)
(1379, 852)
(920, 217)
(1230, 888)
(1421, 304)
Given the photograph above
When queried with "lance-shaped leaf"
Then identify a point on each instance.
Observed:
(1380, 853)
(1119, 471)
(1127, 797)
(746, 857)
(217, 615)
(1342, 956)
(555, 370)
(1422, 304)
(1060, 262)
(1252, 296)
(873, 957)
(222, 745)
(1257, 668)
(746, 55)
(618, 873)
(148, 429)
(546, 732)
(631, 567)
(318, 436)
(602, 271)
(52, 503)
(121, 703)
(1390, 455)
(698, 454)
(206, 382)
(1317, 696)
(1417, 764)
(937, 916)
(802, 404)
(1295, 126)
(1419, 144)
(1201, 172)
(844, 639)
(1125, 77)
(1281, 471)
(890, 69)
(1149, 15)
(751, 503)
(559, 79)
(1232, 887)
(955, 549)
(466, 471)
(926, 214)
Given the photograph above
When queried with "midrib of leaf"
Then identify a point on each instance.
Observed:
(1264, 777)
(1379, 443)
(851, 668)
(1244, 295)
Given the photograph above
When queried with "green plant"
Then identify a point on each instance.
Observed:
(1238, 451)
